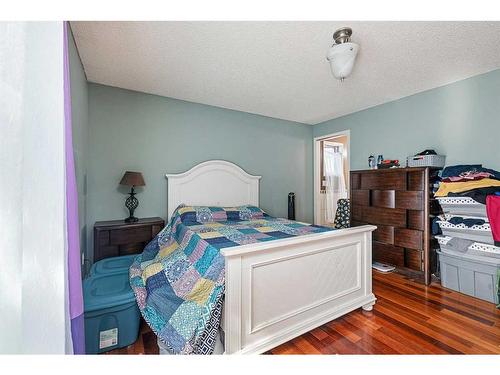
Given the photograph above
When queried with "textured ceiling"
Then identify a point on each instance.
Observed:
(279, 69)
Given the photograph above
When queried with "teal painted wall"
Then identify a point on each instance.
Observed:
(80, 122)
(460, 120)
(157, 135)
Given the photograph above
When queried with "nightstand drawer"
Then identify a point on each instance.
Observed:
(129, 236)
(115, 238)
(103, 238)
(134, 248)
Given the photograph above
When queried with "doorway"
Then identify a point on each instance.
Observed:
(331, 174)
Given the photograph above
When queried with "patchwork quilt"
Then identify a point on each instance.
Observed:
(178, 280)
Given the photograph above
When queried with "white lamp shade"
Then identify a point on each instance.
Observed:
(342, 58)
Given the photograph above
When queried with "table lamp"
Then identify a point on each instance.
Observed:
(132, 179)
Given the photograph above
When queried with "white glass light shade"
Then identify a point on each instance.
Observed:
(342, 58)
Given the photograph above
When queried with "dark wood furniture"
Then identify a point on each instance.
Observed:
(398, 201)
(114, 238)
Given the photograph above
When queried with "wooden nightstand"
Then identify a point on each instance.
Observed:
(114, 238)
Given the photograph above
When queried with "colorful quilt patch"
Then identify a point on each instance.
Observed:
(175, 270)
(178, 280)
(211, 234)
(265, 229)
(186, 282)
(167, 250)
(151, 270)
(183, 317)
(201, 291)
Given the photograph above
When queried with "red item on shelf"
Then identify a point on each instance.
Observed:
(493, 211)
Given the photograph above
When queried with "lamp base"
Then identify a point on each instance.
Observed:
(131, 203)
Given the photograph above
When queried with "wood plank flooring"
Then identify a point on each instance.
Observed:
(408, 318)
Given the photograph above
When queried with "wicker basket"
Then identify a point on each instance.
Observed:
(426, 161)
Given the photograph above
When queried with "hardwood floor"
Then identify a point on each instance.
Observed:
(408, 318)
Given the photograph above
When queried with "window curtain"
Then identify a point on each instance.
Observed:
(74, 296)
(335, 187)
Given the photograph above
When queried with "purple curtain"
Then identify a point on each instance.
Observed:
(72, 226)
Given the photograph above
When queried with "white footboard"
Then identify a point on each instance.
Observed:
(278, 290)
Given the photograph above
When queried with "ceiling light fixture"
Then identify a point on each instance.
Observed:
(342, 54)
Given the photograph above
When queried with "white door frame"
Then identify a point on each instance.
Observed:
(316, 148)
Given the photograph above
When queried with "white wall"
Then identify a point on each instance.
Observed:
(32, 192)
(157, 135)
(11, 79)
(459, 120)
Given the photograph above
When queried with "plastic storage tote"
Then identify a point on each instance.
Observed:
(474, 249)
(477, 277)
(478, 233)
(112, 265)
(112, 318)
(462, 206)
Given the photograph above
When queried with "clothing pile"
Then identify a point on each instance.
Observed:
(469, 227)
(473, 192)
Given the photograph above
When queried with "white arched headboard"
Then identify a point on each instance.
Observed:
(212, 183)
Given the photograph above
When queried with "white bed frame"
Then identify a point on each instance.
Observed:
(278, 290)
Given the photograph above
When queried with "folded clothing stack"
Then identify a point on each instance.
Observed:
(469, 228)
(474, 191)
(472, 181)
(469, 196)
